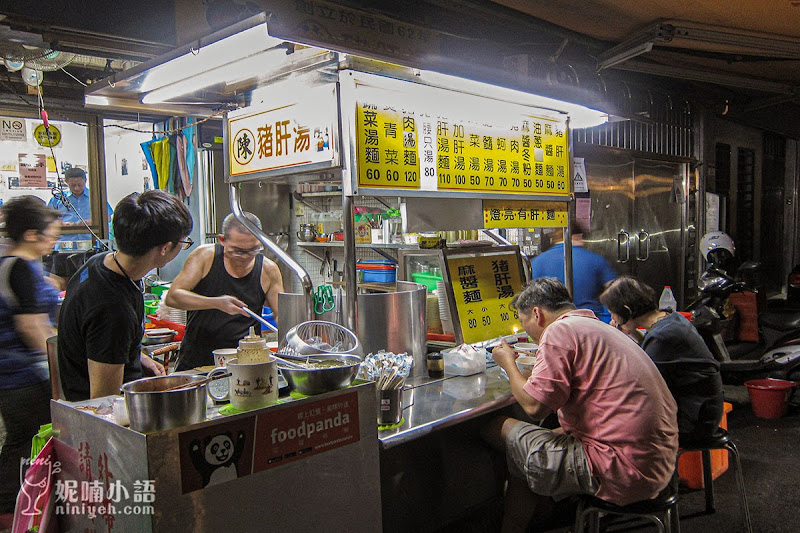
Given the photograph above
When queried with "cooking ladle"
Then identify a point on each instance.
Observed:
(193, 384)
(260, 319)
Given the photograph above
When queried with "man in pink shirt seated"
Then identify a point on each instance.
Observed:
(619, 433)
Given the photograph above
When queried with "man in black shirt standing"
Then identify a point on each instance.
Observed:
(216, 282)
(101, 323)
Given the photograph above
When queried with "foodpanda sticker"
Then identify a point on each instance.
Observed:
(216, 454)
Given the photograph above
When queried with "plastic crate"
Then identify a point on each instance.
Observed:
(426, 279)
(180, 328)
(380, 276)
(690, 464)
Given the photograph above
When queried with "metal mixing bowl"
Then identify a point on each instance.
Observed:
(333, 334)
(151, 408)
(311, 381)
(150, 340)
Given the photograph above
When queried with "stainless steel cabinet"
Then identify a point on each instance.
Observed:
(638, 219)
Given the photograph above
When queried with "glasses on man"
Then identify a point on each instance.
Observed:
(185, 245)
(238, 252)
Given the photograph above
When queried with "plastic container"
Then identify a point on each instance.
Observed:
(180, 328)
(769, 397)
(426, 279)
(378, 271)
(380, 276)
(690, 464)
(667, 300)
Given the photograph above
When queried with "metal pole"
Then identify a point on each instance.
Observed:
(349, 269)
(305, 280)
(568, 249)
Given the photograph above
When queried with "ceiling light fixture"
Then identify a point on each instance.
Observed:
(212, 56)
(228, 74)
(580, 116)
(621, 53)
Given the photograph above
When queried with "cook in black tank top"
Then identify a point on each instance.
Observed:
(207, 330)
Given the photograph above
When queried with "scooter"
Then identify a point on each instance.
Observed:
(777, 355)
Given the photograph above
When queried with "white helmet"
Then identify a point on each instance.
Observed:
(716, 240)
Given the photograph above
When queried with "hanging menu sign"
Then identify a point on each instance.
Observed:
(387, 147)
(483, 286)
(528, 157)
(431, 144)
(521, 214)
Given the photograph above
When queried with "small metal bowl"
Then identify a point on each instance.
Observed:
(149, 340)
(312, 381)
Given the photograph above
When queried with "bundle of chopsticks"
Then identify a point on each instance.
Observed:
(390, 378)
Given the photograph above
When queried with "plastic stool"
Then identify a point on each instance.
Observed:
(720, 440)
(661, 510)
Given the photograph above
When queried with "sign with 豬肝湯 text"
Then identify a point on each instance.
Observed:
(483, 287)
(521, 214)
(387, 147)
(279, 137)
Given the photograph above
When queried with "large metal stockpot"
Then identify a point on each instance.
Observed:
(152, 408)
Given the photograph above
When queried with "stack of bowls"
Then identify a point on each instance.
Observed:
(444, 309)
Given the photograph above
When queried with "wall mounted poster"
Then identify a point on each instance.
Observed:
(32, 171)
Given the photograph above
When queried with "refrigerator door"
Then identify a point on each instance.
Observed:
(610, 179)
(658, 222)
(638, 216)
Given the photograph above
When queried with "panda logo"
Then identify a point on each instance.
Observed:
(217, 457)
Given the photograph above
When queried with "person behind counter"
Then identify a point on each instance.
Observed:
(216, 282)
(101, 324)
(78, 199)
(618, 437)
(590, 272)
(677, 349)
(27, 304)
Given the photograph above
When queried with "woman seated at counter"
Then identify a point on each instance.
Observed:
(677, 349)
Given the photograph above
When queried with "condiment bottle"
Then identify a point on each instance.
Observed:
(435, 365)
(252, 349)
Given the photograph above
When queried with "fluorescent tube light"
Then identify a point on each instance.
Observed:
(229, 73)
(580, 116)
(223, 52)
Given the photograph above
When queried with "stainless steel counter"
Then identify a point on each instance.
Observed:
(432, 405)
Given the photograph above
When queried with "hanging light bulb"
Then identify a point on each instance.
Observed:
(32, 77)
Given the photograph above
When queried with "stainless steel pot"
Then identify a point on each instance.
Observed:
(151, 408)
(318, 380)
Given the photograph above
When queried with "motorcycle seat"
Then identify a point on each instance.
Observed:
(780, 319)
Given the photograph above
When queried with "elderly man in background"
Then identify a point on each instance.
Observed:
(79, 204)
(216, 283)
(618, 438)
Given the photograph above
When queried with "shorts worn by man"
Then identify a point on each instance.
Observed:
(618, 438)
(216, 282)
(101, 324)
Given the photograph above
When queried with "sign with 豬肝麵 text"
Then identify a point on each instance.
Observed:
(521, 214)
(483, 287)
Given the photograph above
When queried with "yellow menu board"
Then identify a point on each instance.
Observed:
(482, 289)
(521, 214)
(387, 147)
(531, 157)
